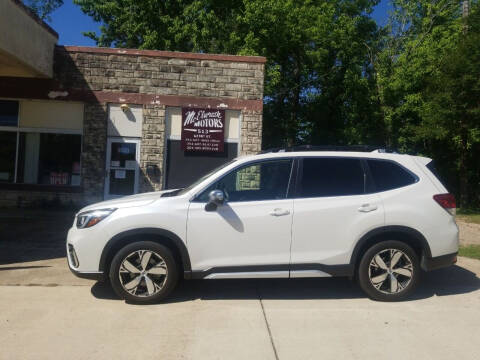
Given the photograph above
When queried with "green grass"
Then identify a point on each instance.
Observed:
(472, 216)
(471, 251)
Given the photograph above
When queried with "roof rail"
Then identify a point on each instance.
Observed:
(356, 148)
(383, 151)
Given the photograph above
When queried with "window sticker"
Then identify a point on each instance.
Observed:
(130, 164)
(120, 174)
(124, 150)
(8, 113)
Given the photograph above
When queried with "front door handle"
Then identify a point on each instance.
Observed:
(280, 212)
(367, 208)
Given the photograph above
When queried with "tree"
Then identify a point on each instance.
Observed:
(332, 76)
(426, 84)
(43, 8)
(317, 82)
(451, 107)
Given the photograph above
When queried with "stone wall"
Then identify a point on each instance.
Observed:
(155, 80)
(41, 199)
(152, 148)
(158, 75)
(251, 132)
(94, 143)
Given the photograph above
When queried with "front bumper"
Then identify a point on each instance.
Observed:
(74, 263)
(98, 276)
(438, 262)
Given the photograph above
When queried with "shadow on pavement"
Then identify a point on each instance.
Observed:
(30, 235)
(23, 267)
(454, 280)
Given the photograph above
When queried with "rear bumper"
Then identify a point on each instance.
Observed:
(438, 262)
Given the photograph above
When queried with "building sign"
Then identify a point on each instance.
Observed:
(203, 129)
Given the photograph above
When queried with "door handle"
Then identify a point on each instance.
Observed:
(367, 208)
(280, 212)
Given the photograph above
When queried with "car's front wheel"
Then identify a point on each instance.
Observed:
(389, 271)
(143, 272)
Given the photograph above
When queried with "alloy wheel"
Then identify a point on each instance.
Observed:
(390, 271)
(143, 273)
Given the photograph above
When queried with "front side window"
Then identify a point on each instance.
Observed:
(323, 177)
(259, 181)
(204, 177)
(388, 175)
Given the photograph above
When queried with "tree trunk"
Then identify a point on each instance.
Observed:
(463, 172)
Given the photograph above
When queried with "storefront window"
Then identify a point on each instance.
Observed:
(8, 141)
(8, 113)
(45, 157)
(49, 159)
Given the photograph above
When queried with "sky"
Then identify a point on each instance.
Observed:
(69, 22)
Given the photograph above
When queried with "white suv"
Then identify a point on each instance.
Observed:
(378, 217)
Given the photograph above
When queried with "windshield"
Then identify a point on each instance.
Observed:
(188, 188)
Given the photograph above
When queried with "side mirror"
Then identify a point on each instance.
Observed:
(215, 199)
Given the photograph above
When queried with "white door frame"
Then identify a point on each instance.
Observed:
(111, 140)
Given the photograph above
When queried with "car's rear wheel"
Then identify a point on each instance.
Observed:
(143, 272)
(389, 271)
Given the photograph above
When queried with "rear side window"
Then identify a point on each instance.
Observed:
(433, 170)
(323, 177)
(388, 175)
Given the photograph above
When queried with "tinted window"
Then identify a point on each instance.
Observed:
(388, 175)
(185, 167)
(51, 159)
(331, 177)
(8, 148)
(259, 181)
(8, 113)
(433, 170)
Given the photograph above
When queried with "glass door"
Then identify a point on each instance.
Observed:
(122, 167)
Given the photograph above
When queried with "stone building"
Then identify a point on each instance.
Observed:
(83, 124)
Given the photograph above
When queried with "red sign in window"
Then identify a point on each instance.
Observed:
(203, 129)
(59, 178)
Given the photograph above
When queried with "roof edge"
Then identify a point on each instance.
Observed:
(35, 17)
(164, 54)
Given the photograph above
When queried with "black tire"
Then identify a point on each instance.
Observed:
(159, 260)
(396, 286)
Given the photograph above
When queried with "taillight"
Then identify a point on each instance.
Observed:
(446, 201)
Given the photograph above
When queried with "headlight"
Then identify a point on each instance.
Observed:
(93, 217)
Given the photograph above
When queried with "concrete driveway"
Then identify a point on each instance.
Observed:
(47, 313)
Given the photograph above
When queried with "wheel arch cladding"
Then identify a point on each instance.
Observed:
(406, 234)
(160, 236)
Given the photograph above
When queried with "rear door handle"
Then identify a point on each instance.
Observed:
(280, 212)
(367, 208)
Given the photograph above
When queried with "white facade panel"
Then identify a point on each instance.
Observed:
(51, 114)
(126, 123)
